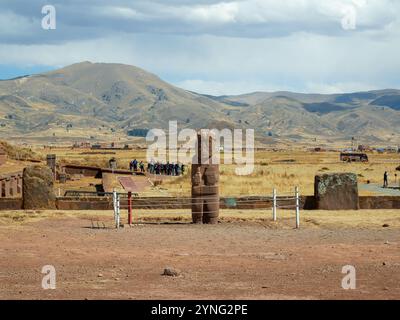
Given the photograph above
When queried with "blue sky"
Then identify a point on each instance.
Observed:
(212, 46)
(13, 71)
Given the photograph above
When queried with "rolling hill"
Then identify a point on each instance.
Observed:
(91, 100)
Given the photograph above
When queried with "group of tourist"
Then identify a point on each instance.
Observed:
(135, 165)
(170, 169)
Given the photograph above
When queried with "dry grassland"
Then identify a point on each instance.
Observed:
(282, 170)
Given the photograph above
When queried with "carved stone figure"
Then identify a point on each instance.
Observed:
(205, 179)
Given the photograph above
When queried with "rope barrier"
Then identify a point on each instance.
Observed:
(199, 199)
(184, 198)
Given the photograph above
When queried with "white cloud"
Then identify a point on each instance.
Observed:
(228, 87)
(240, 18)
(119, 12)
(331, 88)
(218, 47)
(224, 12)
(13, 25)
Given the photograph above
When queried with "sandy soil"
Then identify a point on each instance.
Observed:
(231, 260)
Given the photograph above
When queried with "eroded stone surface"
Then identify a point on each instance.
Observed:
(37, 188)
(336, 191)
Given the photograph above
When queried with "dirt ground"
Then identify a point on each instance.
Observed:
(236, 259)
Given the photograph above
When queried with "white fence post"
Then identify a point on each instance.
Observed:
(297, 208)
(115, 204)
(274, 204)
(118, 211)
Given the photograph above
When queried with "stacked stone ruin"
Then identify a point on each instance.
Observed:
(11, 185)
(51, 161)
(3, 156)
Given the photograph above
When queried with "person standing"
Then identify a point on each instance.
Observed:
(141, 166)
(152, 165)
(385, 179)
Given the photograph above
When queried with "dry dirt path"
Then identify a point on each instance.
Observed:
(239, 260)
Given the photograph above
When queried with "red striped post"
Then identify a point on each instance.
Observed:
(129, 207)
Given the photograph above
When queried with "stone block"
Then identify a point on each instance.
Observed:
(336, 191)
(38, 188)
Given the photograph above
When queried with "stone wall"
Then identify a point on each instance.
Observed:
(72, 203)
(242, 203)
(381, 202)
(11, 204)
(83, 170)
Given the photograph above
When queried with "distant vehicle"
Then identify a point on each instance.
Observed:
(363, 148)
(353, 157)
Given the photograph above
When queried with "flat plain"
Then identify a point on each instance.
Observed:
(246, 256)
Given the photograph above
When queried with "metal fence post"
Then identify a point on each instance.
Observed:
(129, 207)
(115, 205)
(274, 204)
(118, 211)
(297, 208)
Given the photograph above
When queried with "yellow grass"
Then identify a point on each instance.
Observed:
(272, 170)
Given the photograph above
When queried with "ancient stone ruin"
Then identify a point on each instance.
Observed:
(3, 156)
(37, 188)
(336, 191)
(10, 185)
(205, 189)
(51, 161)
(112, 163)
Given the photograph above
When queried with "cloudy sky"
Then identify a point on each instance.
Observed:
(212, 46)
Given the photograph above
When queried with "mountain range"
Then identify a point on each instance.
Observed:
(87, 99)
